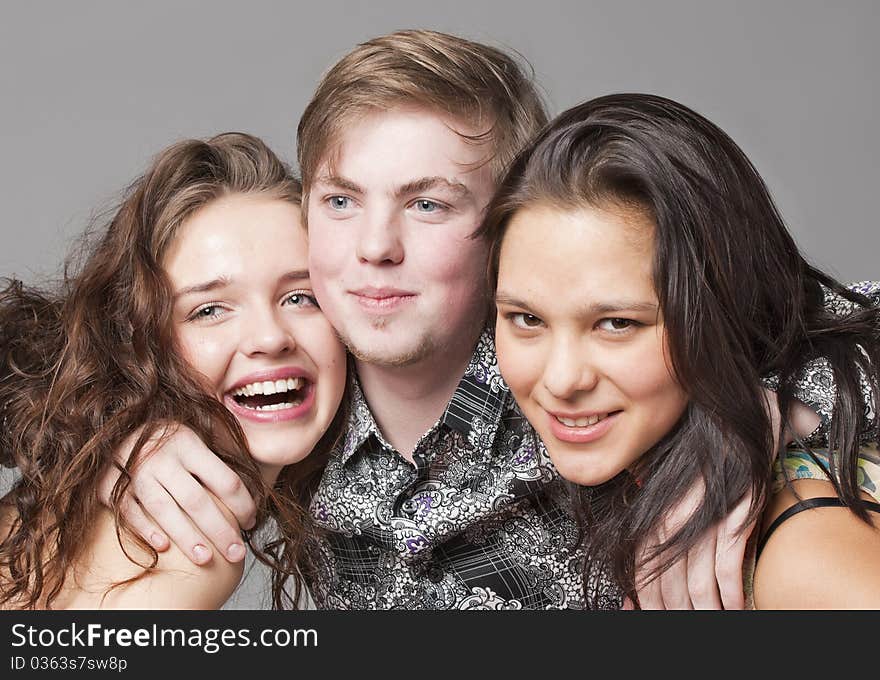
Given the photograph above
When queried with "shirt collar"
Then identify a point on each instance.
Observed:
(475, 408)
(361, 423)
(481, 396)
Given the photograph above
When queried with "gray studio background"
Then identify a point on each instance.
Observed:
(90, 90)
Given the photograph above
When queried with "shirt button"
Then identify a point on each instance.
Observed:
(408, 507)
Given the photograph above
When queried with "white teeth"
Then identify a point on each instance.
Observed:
(582, 422)
(273, 407)
(269, 387)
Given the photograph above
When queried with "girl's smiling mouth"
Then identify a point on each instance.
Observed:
(272, 396)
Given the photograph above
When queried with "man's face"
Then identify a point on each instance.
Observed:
(390, 254)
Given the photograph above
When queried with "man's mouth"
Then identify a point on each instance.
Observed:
(382, 299)
(272, 395)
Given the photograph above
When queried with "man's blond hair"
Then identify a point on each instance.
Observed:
(478, 84)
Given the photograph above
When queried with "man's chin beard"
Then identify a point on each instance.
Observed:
(393, 357)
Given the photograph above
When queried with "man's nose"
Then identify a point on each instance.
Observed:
(379, 239)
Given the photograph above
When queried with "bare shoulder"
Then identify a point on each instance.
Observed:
(114, 575)
(820, 558)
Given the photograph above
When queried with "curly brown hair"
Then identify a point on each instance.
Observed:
(84, 366)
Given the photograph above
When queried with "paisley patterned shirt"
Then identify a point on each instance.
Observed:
(816, 386)
(480, 521)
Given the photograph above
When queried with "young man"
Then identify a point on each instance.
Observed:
(440, 495)
(437, 498)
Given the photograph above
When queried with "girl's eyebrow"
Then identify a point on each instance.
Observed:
(214, 284)
(622, 305)
(224, 281)
(295, 275)
(595, 309)
(504, 299)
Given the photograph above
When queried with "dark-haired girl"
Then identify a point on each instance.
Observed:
(647, 294)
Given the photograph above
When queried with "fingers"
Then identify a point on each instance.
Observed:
(709, 575)
(161, 506)
(648, 590)
(701, 584)
(650, 595)
(205, 524)
(143, 525)
(140, 523)
(671, 590)
(167, 485)
(222, 482)
(730, 553)
(674, 585)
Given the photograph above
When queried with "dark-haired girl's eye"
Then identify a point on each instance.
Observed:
(524, 320)
(617, 324)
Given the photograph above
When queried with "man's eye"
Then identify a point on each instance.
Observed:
(339, 202)
(617, 324)
(523, 320)
(424, 205)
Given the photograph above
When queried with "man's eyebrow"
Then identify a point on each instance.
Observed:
(224, 281)
(417, 186)
(340, 183)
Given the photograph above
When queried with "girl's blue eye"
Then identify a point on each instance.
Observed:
(206, 312)
(301, 300)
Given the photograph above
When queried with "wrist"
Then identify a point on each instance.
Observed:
(802, 422)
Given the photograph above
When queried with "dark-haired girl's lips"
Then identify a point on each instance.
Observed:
(583, 434)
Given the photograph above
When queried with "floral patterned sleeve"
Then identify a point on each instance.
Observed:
(815, 464)
(815, 385)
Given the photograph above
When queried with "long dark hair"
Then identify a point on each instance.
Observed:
(739, 302)
(85, 365)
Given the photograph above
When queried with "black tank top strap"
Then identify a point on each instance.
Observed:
(807, 504)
